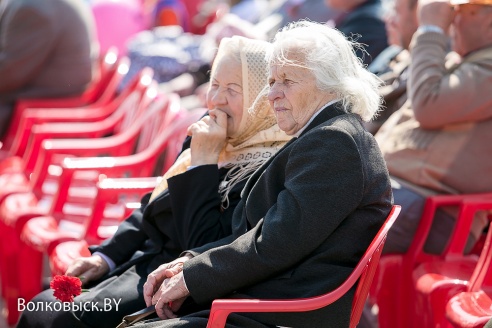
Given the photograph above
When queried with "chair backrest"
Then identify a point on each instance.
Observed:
(107, 68)
(482, 275)
(363, 272)
(140, 164)
(103, 107)
(174, 131)
(100, 92)
(155, 126)
(468, 206)
(131, 105)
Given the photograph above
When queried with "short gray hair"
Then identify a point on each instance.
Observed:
(331, 57)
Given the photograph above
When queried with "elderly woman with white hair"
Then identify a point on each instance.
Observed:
(309, 213)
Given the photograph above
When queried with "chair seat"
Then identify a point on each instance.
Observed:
(13, 182)
(434, 274)
(11, 164)
(39, 232)
(22, 204)
(469, 309)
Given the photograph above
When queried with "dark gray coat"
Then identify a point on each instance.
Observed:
(304, 221)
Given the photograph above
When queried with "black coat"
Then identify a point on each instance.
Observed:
(305, 219)
(185, 216)
(365, 25)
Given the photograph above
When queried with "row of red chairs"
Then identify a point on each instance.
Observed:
(51, 191)
(451, 289)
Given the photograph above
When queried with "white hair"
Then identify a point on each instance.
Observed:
(331, 58)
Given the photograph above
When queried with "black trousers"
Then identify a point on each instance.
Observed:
(105, 304)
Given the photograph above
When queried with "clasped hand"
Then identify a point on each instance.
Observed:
(166, 289)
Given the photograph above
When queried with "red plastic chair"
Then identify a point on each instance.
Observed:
(437, 281)
(38, 233)
(95, 92)
(110, 191)
(124, 108)
(96, 111)
(363, 274)
(20, 205)
(407, 285)
(473, 307)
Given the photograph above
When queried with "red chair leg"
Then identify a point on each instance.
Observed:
(30, 270)
(10, 278)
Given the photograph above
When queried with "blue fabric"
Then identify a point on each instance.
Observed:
(403, 230)
(167, 50)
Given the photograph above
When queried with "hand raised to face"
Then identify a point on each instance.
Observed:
(435, 12)
(209, 136)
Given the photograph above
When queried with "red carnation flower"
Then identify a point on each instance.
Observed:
(66, 287)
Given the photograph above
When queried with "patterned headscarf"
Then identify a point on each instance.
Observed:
(258, 137)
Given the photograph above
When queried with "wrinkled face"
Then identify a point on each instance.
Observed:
(406, 22)
(472, 28)
(294, 95)
(226, 92)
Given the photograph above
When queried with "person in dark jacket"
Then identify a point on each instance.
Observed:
(362, 21)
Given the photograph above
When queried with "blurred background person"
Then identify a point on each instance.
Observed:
(439, 141)
(361, 20)
(401, 24)
(48, 48)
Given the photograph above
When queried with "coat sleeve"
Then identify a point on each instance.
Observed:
(323, 185)
(196, 206)
(441, 97)
(128, 238)
(130, 235)
(26, 39)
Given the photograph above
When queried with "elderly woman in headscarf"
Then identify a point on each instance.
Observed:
(194, 203)
(306, 216)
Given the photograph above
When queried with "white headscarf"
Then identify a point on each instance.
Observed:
(259, 136)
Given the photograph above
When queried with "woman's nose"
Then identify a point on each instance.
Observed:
(274, 93)
(218, 98)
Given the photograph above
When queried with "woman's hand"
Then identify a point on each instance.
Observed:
(170, 296)
(209, 137)
(88, 268)
(164, 285)
(436, 12)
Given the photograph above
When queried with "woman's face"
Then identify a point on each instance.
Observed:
(226, 92)
(294, 95)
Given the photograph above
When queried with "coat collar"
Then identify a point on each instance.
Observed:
(326, 114)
